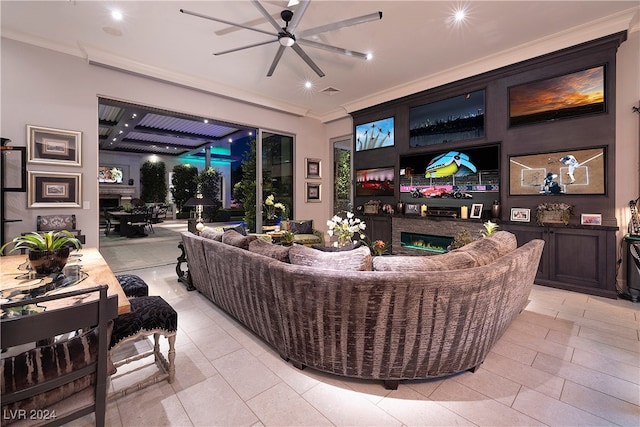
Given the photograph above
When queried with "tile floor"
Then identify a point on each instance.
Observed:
(569, 359)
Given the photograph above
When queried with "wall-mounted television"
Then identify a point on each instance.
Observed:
(378, 134)
(453, 119)
(375, 182)
(570, 95)
(110, 174)
(453, 173)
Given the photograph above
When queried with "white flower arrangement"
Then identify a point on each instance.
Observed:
(274, 209)
(346, 228)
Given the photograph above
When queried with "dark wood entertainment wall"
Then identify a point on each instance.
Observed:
(576, 257)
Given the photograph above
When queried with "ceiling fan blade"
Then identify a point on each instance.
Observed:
(308, 60)
(199, 15)
(297, 16)
(274, 64)
(341, 24)
(268, 17)
(244, 47)
(334, 49)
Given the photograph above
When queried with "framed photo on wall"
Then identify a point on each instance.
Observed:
(313, 168)
(54, 190)
(49, 145)
(476, 211)
(313, 192)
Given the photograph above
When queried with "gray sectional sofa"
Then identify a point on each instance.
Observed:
(386, 318)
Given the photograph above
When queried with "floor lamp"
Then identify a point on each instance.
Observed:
(199, 202)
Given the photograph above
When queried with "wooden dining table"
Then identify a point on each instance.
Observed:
(85, 268)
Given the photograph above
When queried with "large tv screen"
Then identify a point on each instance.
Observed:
(378, 134)
(453, 119)
(110, 174)
(457, 173)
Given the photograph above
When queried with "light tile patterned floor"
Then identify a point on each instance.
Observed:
(569, 359)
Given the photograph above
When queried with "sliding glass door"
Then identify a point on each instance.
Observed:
(275, 169)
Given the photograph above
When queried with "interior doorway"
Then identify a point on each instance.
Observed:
(342, 175)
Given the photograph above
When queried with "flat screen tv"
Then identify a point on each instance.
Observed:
(453, 119)
(453, 173)
(378, 134)
(110, 174)
(375, 182)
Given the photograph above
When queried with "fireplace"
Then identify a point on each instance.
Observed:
(431, 227)
(425, 242)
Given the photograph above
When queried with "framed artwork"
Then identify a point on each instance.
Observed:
(591, 219)
(54, 190)
(570, 95)
(412, 209)
(452, 119)
(313, 192)
(520, 214)
(58, 146)
(476, 210)
(558, 172)
(14, 168)
(378, 134)
(313, 168)
(375, 182)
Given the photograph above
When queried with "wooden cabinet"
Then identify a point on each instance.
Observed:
(378, 227)
(576, 258)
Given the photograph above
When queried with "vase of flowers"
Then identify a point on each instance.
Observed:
(553, 213)
(379, 248)
(345, 228)
(274, 211)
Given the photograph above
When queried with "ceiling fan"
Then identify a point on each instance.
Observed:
(287, 37)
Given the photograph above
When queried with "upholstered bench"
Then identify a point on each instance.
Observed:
(133, 286)
(150, 315)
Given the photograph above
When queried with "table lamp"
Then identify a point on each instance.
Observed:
(199, 202)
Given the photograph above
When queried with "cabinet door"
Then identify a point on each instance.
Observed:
(579, 257)
(525, 234)
(378, 228)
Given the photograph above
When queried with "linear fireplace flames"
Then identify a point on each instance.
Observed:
(425, 242)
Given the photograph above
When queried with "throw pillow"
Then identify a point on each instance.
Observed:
(209, 233)
(233, 238)
(301, 227)
(355, 260)
(449, 261)
(259, 246)
(238, 227)
(486, 250)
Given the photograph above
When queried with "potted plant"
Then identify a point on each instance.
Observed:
(287, 238)
(48, 252)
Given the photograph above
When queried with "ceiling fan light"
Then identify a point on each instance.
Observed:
(369, 56)
(293, 3)
(286, 41)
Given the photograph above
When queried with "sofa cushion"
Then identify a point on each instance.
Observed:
(233, 238)
(350, 247)
(209, 233)
(259, 246)
(486, 250)
(301, 227)
(355, 260)
(475, 254)
(238, 227)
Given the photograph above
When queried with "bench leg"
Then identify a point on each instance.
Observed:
(172, 357)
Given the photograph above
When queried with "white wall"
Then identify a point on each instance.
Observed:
(46, 88)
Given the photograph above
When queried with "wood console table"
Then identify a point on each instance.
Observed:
(90, 262)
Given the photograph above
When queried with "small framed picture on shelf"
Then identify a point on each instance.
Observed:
(520, 214)
(412, 209)
(54, 146)
(313, 168)
(476, 211)
(313, 192)
(591, 219)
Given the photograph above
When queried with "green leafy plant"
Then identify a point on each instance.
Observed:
(184, 184)
(489, 228)
(153, 182)
(287, 237)
(209, 184)
(462, 237)
(48, 241)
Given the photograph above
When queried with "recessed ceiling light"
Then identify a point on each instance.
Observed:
(459, 15)
(369, 56)
(308, 84)
(206, 121)
(230, 140)
(116, 15)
